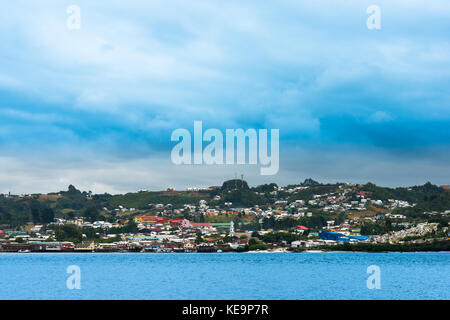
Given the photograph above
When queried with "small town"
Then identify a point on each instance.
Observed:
(233, 217)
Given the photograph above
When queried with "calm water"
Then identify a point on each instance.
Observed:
(225, 276)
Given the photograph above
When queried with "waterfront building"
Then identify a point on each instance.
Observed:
(85, 246)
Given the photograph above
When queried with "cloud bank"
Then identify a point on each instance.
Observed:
(96, 106)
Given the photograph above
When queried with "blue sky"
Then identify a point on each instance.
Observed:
(95, 107)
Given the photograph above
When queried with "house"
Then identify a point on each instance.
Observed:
(189, 246)
(85, 246)
(202, 226)
(301, 244)
(301, 229)
(330, 235)
(212, 212)
(175, 222)
(151, 219)
(145, 219)
(397, 216)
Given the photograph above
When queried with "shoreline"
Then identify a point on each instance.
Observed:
(228, 252)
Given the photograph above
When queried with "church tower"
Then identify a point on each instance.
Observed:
(231, 229)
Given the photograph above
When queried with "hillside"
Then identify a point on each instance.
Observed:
(18, 210)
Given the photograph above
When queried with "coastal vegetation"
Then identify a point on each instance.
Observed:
(443, 245)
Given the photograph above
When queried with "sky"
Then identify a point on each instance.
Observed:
(96, 106)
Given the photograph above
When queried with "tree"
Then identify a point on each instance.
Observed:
(254, 244)
(234, 184)
(268, 223)
(280, 236)
(35, 215)
(340, 218)
(130, 227)
(68, 232)
(265, 188)
(255, 234)
(309, 183)
(72, 191)
(91, 213)
(47, 215)
(199, 238)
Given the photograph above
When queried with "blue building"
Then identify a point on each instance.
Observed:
(339, 237)
(330, 236)
(359, 238)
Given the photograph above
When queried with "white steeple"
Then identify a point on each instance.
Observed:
(231, 228)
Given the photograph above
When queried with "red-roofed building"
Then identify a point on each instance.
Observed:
(202, 225)
(301, 229)
(175, 222)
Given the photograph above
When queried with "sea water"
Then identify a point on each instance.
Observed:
(225, 275)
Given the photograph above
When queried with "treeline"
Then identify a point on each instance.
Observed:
(73, 233)
(413, 194)
(380, 227)
(434, 202)
(14, 213)
(316, 221)
(287, 237)
(245, 198)
(18, 212)
(410, 247)
(141, 200)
